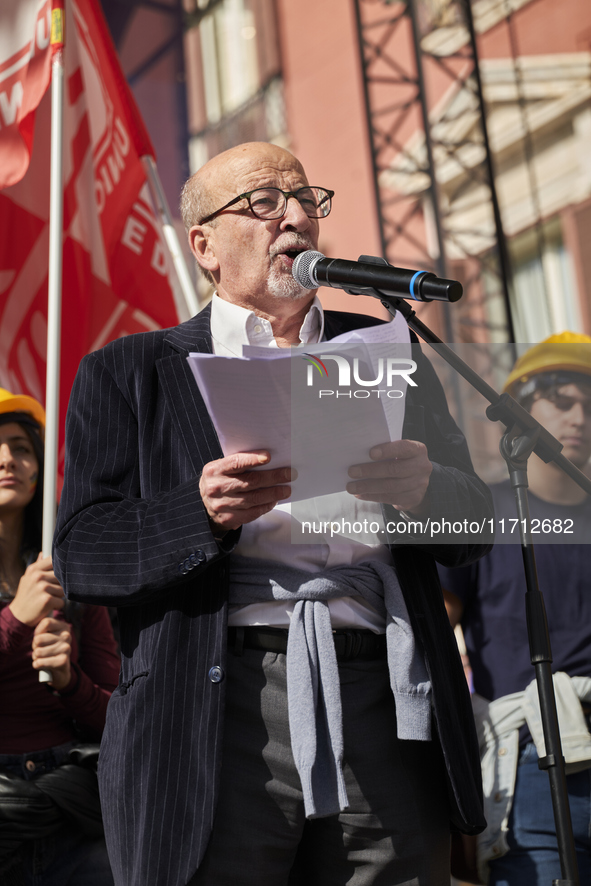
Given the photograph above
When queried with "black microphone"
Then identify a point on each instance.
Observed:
(312, 269)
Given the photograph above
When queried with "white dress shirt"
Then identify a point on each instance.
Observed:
(269, 537)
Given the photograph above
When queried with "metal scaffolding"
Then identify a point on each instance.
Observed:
(431, 155)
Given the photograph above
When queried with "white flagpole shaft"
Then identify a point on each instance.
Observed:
(170, 235)
(54, 310)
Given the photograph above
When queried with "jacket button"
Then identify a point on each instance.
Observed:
(192, 558)
(216, 674)
(187, 565)
(201, 558)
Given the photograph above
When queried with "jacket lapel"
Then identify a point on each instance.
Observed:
(332, 325)
(182, 395)
(336, 323)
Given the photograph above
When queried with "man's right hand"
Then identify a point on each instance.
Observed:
(38, 594)
(234, 494)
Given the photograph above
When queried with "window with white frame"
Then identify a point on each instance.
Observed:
(544, 299)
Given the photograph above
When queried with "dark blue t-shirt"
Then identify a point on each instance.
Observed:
(492, 591)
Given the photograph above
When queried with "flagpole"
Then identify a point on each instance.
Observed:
(171, 237)
(54, 289)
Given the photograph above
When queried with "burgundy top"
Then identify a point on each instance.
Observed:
(32, 717)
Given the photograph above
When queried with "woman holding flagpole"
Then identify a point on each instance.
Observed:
(50, 823)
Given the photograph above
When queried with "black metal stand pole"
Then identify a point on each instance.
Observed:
(516, 448)
(524, 436)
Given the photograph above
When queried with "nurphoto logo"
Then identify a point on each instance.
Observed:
(388, 371)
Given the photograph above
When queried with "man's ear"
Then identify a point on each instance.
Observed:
(201, 243)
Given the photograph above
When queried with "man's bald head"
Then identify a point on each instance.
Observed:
(214, 184)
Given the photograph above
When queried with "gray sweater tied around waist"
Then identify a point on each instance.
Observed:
(313, 687)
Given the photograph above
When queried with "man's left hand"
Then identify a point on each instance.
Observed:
(398, 475)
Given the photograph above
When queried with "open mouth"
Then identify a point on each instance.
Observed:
(290, 255)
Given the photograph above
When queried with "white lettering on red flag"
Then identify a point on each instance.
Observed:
(117, 275)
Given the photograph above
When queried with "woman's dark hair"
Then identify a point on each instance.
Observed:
(32, 529)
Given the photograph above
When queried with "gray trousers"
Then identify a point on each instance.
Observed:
(396, 829)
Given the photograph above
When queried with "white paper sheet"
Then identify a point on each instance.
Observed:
(262, 401)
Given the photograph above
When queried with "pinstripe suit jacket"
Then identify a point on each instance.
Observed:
(133, 533)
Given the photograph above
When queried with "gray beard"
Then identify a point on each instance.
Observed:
(285, 286)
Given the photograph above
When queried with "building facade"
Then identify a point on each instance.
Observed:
(309, 75)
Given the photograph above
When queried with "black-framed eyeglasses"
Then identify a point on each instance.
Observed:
(270, 203)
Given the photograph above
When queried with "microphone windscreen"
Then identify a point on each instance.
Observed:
(303, 267)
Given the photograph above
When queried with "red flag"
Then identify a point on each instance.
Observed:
(25, 60)
(117, 276)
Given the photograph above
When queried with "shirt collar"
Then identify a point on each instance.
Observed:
(233, 326)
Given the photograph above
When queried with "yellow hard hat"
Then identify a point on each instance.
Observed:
(565, 352)
(21, 403)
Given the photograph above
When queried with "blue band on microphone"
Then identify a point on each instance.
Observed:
(412, 285)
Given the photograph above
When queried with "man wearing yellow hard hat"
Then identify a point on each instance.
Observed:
(552, 380)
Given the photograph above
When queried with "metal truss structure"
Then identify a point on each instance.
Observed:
(433, 172)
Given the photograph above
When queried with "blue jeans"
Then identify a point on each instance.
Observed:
(533, 858)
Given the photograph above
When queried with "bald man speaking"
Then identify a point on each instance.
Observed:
(207, 775)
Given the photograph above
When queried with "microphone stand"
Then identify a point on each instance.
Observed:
(523, 436)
